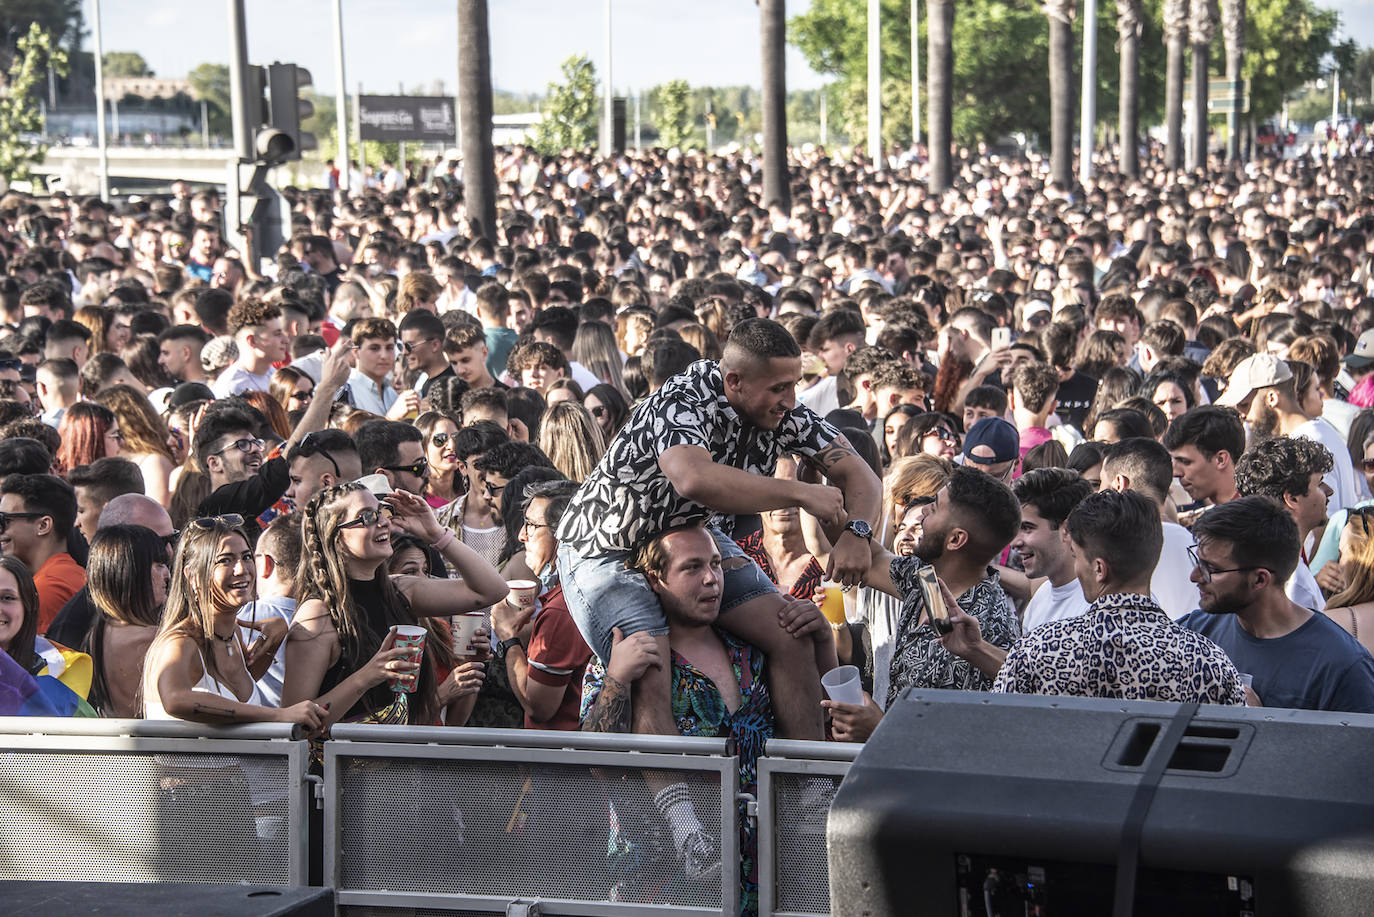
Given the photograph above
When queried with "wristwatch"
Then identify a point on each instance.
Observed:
(504, 646)
(860, 528)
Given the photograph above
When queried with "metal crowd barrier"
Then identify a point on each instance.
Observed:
(484, 821)
(797, 782)
(87, 800)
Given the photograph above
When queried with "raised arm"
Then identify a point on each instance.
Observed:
(696, 476)
(333, 374)
(481, 584)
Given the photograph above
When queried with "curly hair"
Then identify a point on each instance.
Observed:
(1279, 466)
(251, 313)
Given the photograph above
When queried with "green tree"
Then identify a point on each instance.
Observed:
(60, 19)
(126, 63)
(1285, 41)
(211, 83)
(20, 118)
(569, 109)
(670, 113)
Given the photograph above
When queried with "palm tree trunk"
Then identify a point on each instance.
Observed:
(940, 90)
(1128, 29)
(1202, 26)
(1176, 42)
(1061, 91)
(1233, 31)
(773, 25)
(474, 96)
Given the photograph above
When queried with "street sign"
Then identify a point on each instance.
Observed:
(1219, 90)
(1228, 104)
(424, 118)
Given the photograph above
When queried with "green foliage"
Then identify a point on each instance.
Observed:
(570, 109)
(126, 63)
(670, 113)
(20, 117)
(59, 19)
(211, 83)
(1285, 43)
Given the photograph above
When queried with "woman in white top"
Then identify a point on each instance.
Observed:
(197, 667)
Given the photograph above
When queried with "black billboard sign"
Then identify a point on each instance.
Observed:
(423, 118)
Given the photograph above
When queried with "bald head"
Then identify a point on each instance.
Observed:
(136, 509)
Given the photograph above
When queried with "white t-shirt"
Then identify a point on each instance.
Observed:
(236, 379)
(823, 397)
(1053, 603)
(1302, 588)
(1170, 586)
(1341, 477)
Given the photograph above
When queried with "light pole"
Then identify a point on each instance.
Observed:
(875, 86)
(607, 115)
(341, 91)
(1088, 115)
(100, 109)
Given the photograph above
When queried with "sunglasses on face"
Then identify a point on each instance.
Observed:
(409, 346)
(418, 469)
(440, 439)
(947, 435)
(369, 517)
(7, 518)
(598, 412)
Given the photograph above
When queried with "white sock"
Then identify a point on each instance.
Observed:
(676, 806)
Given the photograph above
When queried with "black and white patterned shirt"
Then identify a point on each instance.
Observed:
(627, 498)
(1124, 647)
(918, 659)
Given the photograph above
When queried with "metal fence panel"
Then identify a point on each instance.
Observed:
(471, 828)
(145, 808)
(795, 792)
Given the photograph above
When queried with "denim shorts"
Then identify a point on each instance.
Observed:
(603, 593)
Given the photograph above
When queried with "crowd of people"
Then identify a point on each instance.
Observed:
(1106, 441)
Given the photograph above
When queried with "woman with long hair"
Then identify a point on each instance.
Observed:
(197, 668)
(609, 407)
(1100, 351)
(1169, 392)
(127, 577)
(88, 432)
(292, 388)
(1353, 607)
(340, 649)
(893, 424)
(99, 321)
(141, 354)
(595, 348)
(446, 480)
(63, 674)
(571, 439)
(142, 439)
(931, 433)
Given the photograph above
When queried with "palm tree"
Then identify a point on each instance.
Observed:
(1176, 41)
(474, 97)
(1128, 25)
(1202, 27)
(1233, 32)
(773, 25)
(940, 90)
(1061, 90)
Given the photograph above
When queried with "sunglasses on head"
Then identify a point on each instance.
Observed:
(310, 443)
(369, 517)
(206, 523)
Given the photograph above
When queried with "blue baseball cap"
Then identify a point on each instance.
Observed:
(992, 441)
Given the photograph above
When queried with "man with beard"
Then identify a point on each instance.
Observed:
(972, 519)
(1124, 647)
(1047, 497)
(1245, 552)
(1262, 388)
(1290, 471)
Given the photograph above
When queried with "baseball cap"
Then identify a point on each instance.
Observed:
(992, 441)
(1257, 371)
(377, 483)
(1363, 354)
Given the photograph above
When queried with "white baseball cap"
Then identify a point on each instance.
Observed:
(1258, 371)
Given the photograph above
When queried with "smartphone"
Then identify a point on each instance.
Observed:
(935, 601)
(1001, 337)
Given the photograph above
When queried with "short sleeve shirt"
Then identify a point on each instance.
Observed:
(558, 657)
(627, 498)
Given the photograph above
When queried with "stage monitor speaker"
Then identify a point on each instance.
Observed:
(992, 805)
(164, 899)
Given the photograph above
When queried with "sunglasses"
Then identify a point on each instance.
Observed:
(947, 435)
(409, 346)
(1362, 513)
(440, 439)
(306, 444)
(245, 445)
(206, 523)
(369, 517)
(11, 364)
(598, 412)
(1368, 465)
(418, 469)
(7, 518)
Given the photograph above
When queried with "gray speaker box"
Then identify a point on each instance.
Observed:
(965, 803)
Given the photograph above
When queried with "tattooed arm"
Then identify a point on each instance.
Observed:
(611, 710)
(696, 476)
(631, 657)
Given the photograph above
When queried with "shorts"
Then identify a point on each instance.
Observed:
(603, 593)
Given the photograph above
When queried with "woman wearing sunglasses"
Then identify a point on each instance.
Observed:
(340, 651)
(446, 480)
(930, 433)
(197, 667)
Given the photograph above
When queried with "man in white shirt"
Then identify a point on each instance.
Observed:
(1290, 471)
(1144, 466)
(369, 384)
(1047, 497)
(258, 332)
(277, 556)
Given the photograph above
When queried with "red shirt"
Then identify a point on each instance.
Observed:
(57, 581)
(558, 657)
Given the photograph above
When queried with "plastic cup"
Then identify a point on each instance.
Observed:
(412, 637)
(522, 593)
(1248, 680)
(833, 605)
(842, 685)
(465, 627)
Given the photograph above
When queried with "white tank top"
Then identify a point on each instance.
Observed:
(152, 707)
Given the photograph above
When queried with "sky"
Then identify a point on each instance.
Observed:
(389, 43)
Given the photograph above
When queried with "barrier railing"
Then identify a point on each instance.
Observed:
(483, 821)
(151, 801)
(797, 782)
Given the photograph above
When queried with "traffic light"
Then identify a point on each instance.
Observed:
(276, 109)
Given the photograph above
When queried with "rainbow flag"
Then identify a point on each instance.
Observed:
(48, 693)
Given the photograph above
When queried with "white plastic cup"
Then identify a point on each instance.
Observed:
(842, 685)
(465, 627)
(412, 637)
(522, 593)
(1248, 680)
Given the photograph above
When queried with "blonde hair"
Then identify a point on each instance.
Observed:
(1359, 574)
(144, 432)
(595, 348)
(571, 439)
(910, 477)
(642, 322)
